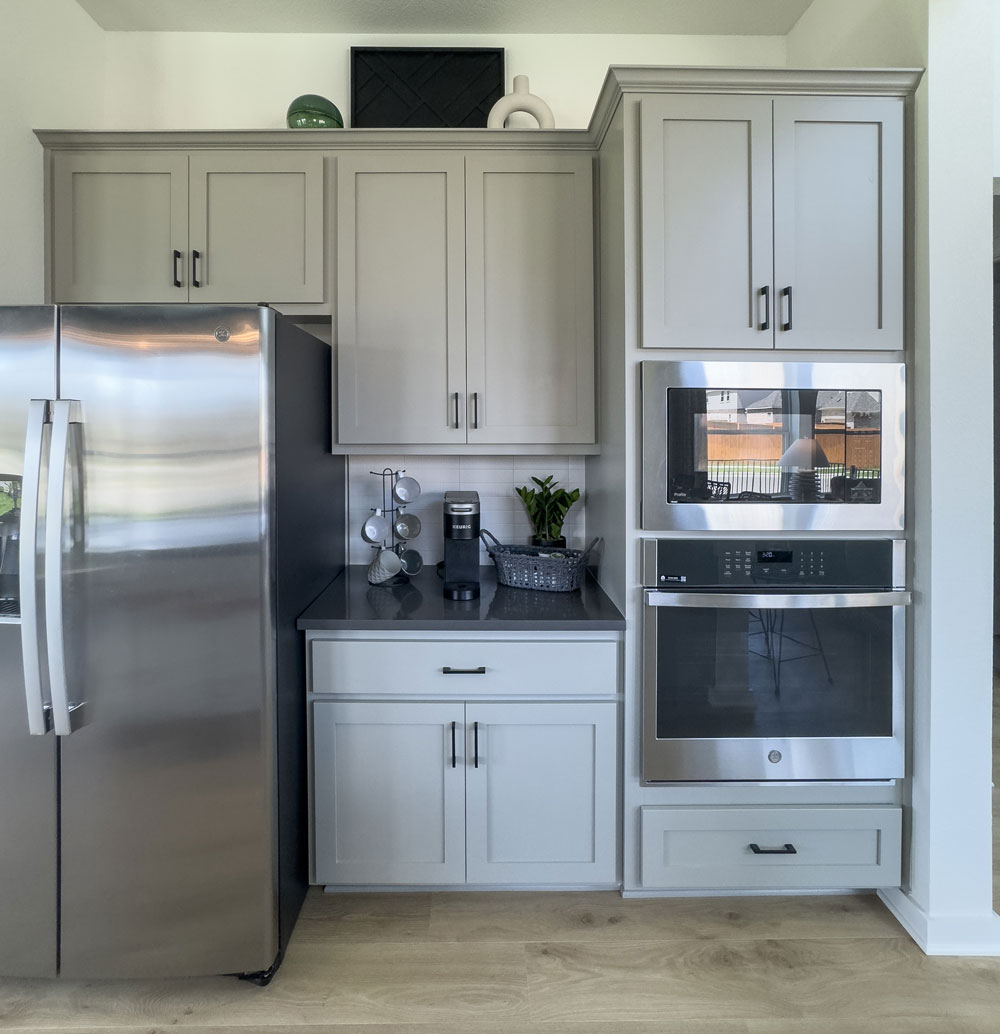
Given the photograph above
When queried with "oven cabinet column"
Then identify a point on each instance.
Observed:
(772, 222)
(422, 774)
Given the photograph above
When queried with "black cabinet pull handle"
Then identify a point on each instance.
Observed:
(195, 255)
(481, 670)
(454, 755)
(787, 849)
(475, 744)
(457, 397)
(787, 293)
(766, 292)
(177, 275)
(475, 409)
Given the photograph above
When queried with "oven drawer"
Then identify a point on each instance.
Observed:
(464, 668)
(773, 848)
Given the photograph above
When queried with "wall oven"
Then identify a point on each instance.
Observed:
(773, 659)
(772, 446)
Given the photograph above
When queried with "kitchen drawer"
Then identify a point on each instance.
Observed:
(478, 668)
(708, 848)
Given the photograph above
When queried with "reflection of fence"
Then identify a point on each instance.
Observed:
(764, 477)
(859, 447)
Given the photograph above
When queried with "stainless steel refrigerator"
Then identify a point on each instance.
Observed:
(168, 505)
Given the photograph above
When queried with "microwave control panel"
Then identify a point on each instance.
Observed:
(678, 564)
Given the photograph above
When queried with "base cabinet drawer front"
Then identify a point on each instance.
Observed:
(779, 848)
(463, 669)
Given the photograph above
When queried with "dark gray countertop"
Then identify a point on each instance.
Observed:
(349, 602)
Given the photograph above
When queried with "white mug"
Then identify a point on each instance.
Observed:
(375, 529)
(386, 565)
(405, 490)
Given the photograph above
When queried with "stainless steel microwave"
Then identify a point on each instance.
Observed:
(773, 446)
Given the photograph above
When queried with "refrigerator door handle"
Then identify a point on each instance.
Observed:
(39, 714)
(64, 412)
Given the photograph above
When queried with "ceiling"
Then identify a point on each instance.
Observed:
(695, 17)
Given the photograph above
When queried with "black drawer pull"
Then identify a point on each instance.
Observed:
(481, 670)
(787, 849)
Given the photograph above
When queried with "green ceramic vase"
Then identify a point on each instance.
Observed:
(310, 111)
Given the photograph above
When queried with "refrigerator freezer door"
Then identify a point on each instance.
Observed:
(167, 785)
(28, 812)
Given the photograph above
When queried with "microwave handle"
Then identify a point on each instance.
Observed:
(776, 601)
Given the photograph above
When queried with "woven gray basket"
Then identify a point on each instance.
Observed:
(537, 567)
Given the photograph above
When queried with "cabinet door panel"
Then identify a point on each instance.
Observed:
(388, 804)
(838, 221)
(400, 299)
(117, 219)
(540, 806)
(257, 223)
(529, 242)
(706, 221)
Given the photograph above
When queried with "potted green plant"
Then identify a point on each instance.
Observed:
(547, 507)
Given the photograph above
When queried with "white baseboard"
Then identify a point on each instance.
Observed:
(967, 934)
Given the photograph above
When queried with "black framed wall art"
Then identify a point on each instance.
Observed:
(425, 87)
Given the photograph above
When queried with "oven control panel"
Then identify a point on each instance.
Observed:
(722, 563)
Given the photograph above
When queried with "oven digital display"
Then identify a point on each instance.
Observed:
(774, 556)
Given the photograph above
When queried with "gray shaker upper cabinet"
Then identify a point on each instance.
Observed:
(168, 226)
(772, 222)
(530, 298)
(119, 226)
(401, 298)
(465, 300)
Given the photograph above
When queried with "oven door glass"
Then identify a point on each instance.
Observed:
(813, 681)
(765, 445)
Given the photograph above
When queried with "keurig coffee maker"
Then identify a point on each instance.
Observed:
(461, 545)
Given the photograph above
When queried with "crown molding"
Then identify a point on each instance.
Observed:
(645, 79)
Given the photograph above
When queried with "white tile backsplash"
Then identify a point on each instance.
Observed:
(493, 477)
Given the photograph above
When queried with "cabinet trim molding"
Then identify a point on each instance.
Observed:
(318, 139)
(626, 79)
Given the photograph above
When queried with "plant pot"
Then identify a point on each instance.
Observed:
(559, 543)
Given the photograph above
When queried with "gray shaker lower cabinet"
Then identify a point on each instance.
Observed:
(389, 806)
(463, 791)
(773, 848)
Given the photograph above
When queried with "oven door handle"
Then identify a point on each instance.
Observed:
(777, 601)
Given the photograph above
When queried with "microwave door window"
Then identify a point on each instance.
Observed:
(727, 445)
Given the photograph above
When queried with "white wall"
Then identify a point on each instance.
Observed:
(949, 901)
(240, 81)
(52, 61)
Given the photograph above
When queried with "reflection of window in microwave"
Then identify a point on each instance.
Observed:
(747, 445)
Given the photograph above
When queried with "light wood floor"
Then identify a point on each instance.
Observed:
(559, 964)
